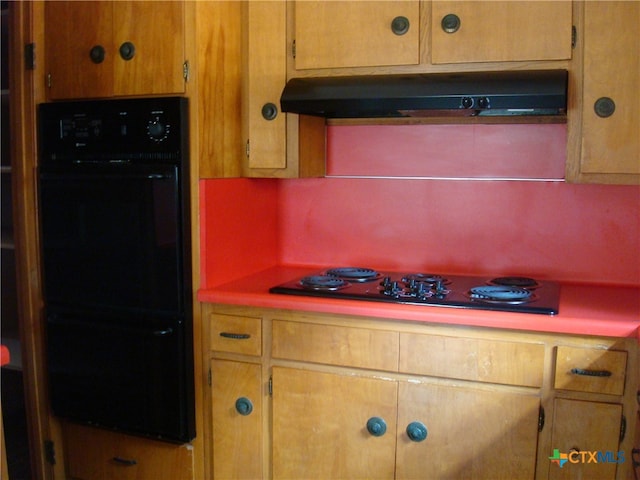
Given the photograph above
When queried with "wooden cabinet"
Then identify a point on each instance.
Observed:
(236, 396)
(504, 31)
(356, 34)
(329, 425)
(604, 145)
(94, 454)
(276, 144)
(581, 428)
(338, 396)
(322, 420)
(104, 48)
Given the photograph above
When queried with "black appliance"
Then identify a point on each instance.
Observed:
(510, 294)
(526, 92)
(115, 237)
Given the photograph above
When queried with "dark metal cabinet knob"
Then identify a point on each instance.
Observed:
(127, 50)
(604, 107)
(400, 25)
(97, 54)
(450, 23)
(244, 406)
(416, 431)
(269, 111)
(376, 426)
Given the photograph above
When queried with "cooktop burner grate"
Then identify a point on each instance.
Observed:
(523, 282)
(354, 274)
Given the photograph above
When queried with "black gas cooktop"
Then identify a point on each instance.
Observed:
(510, 294)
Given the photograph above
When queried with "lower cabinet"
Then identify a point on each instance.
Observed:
(95, 454)
(316, 396)
(328, 425)
(583, 432)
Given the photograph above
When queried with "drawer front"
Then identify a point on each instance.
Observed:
(236, 334)
(481, 360)
(334, 345)
(94, 454)
(590, 370)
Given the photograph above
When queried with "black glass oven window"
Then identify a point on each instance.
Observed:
(112, 240)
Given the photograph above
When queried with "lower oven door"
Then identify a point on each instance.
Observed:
(126, 375)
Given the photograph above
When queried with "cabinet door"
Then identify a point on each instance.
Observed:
(611, 144)
(237, 419)
(356, 34)
(470, 433)
(580, 426)
(72, 30)
(320, 425)
(500, 31)
(157, 32)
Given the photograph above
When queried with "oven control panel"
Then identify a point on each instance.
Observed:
(113, 128)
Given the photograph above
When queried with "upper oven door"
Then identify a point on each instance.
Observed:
(112, 237)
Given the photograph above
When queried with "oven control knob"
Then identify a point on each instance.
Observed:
(157, 129)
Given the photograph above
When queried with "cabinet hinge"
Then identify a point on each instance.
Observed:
(48, 80)
(30, 56)
(271, 386)
(623, 427)
(540, 419)
(247, 148)
(50, 452)
(574, 36)
(293, 49)
(209, 377)
(185, 70)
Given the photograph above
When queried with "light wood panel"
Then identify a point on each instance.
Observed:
(502, 31)
(352, 347)
(236, 334)
(512, 363)
(355, 34)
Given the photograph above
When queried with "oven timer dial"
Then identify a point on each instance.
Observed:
(157, 129)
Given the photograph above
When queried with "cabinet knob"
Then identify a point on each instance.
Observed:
(97, 54)
(269, 111)
(450, 23)
(244, 406)
(376, 426)
(127, 50)
(400, 25)
(416, 431)
(604, 107)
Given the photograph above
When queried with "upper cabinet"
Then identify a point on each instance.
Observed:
(103, 48)
(503, 31)
(356, 34)
(604, 146)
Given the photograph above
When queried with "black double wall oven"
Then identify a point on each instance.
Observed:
(115, 237)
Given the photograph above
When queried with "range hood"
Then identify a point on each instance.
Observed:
(539, 92)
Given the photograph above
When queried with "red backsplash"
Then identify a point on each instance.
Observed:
(553, 230)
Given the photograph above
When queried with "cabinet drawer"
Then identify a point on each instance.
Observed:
(236, 334)
(590, 370)
(94, 454)
(335, 345)
(474, 359)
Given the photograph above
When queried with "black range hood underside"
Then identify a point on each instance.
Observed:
(539, 92)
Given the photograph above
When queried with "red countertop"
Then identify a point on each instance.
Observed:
(584, 309)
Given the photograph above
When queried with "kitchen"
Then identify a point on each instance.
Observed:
(376, 210)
